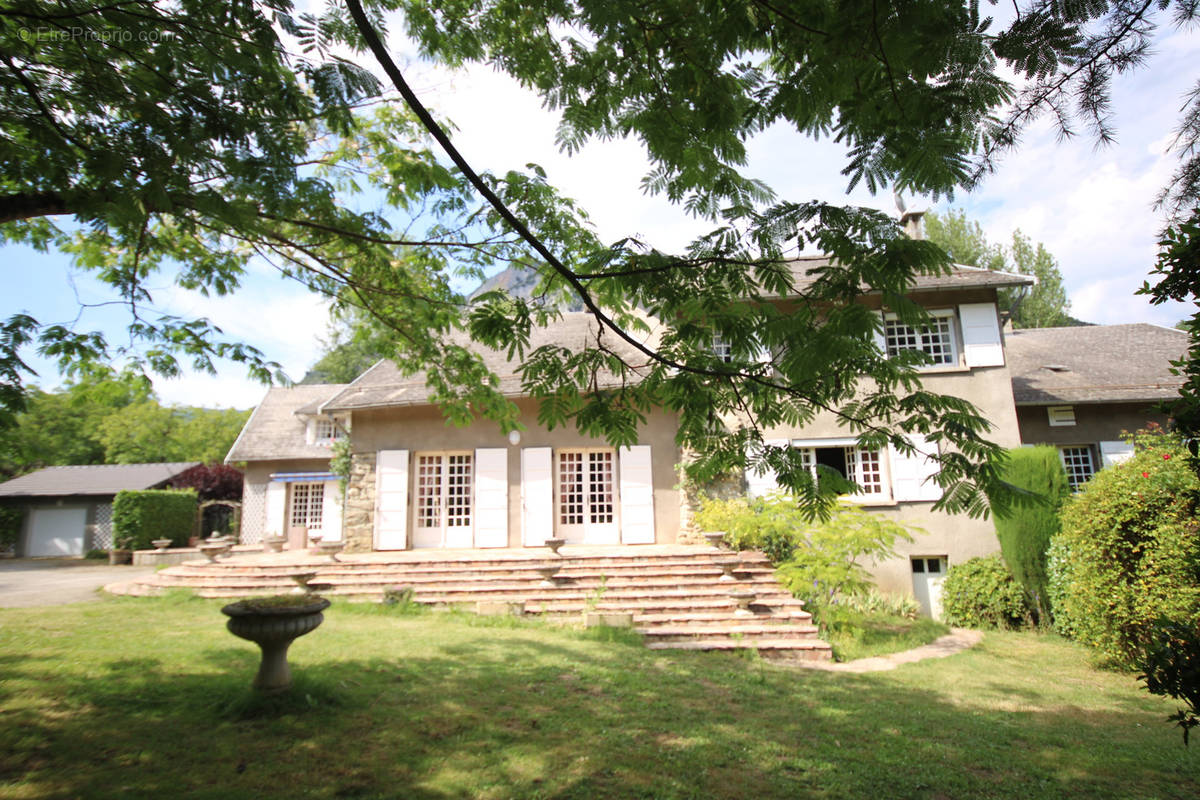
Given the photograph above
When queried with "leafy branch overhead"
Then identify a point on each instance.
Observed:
(215, 135)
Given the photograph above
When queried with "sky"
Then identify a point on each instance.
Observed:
(1091, 207)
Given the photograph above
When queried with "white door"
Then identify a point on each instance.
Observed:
(443, 500)
(587, 502)
(56, 532)
(928, 573)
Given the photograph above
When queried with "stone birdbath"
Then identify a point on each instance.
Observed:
(301, 579)
(715, 538)
(161, 545)
(743, 598)
(554, 543)
(274, 544)
(331, 549)
(314, 542)
(273, 623)
(549, 574)
(211, 550)
(728, 568)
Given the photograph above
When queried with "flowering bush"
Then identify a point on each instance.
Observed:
(1128, 554)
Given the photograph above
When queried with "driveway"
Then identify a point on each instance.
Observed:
(26, 582)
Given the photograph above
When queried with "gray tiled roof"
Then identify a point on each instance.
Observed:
(274, 430)
(959, 277)
(383, 385)
(1094, 363)
(92, 479)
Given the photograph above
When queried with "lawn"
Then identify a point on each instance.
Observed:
(147, 698)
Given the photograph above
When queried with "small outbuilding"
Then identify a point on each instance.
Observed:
(68, 510)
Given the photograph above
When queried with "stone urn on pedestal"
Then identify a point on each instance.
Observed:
(273, 623)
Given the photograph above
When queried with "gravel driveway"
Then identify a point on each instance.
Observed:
(26, 582)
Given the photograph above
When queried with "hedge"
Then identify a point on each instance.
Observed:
(143, 516)
(982, 593)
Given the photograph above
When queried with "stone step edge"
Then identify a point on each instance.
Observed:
(779, 644)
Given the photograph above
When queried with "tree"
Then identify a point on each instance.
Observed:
(1044, 306)
(222, 145)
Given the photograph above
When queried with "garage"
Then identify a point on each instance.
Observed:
(56, 532)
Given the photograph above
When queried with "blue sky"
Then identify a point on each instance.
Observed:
(1092, 208)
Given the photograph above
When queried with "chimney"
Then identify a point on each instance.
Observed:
(913, 225)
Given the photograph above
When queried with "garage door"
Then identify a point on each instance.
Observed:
(56, 532)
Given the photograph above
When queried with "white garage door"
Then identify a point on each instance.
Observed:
(56, 532)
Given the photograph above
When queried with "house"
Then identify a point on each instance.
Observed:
(286, 445)
(418, 482)
(69, 509)
(1080, 388)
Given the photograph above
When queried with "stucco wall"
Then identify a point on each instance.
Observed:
(256, 476)
(1099, 422)
(424, 428)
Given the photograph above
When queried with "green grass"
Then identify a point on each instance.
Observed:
(855, 635)
(148, 699)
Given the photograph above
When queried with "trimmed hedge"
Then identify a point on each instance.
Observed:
(982, 593)
(143, 516)
(1128, 557)
(1025, 530)
(10, 526)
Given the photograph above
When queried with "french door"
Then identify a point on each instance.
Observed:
(443, 486)
(586, 496)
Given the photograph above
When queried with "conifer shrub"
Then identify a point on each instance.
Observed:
(1127, 559)
(1026, 529)
(140, 517)
(982, 593)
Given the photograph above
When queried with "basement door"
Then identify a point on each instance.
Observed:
(928, 573)
(587, 502)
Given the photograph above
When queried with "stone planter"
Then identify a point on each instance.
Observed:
(161, 545)
(273, 623)
(274, 544)
(715, 538)
(555, 543)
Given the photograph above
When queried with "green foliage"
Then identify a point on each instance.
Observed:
(140, 517)
(873, 602)
(1170, 667)
(820, 561)
(11, 519)
(982, 593)
(1044, 305)
(340, 461)
(1128, 554)
(1025, 530)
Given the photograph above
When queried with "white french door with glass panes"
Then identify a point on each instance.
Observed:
(442, 511)
(586, 496)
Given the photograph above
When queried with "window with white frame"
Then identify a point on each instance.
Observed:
(443, 484)
(327, 431)
(860, 465)
(935, 338)
(587, 496)
(1078, 463)
(721, 348)
(308, 502)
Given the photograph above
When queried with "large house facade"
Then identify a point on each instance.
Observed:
(417, 481)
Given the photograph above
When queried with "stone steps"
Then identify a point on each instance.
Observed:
(679, 598)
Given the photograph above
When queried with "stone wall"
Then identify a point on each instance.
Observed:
(723, 488)
(359, 525)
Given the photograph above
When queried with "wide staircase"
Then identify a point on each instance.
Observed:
(679, 597)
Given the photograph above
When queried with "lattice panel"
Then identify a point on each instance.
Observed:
(254, 513)
(102, 536)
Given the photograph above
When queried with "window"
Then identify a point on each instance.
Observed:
(721, 348)
(1078, 463)
(587, 502)
(326, 431)
(1060, 416)
(930, 566)
(443, 492)
(308, 500)
(864, 467)
(935, 338)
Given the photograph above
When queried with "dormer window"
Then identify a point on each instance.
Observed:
(325, 431)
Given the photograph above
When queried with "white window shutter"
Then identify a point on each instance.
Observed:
(880, 337)
(491, 497)
(276, 508)
(912, 475)
(537, 496)
(761, 483)
(310, 431)
(981, 335)
(637, 495)
(391, 500)
(1115, 452)
(331, 512)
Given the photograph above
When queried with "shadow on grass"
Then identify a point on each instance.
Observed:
(504, 714)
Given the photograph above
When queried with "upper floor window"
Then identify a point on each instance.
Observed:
(721, 348)
(326, 431)
(935, 338)
(860, 465)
